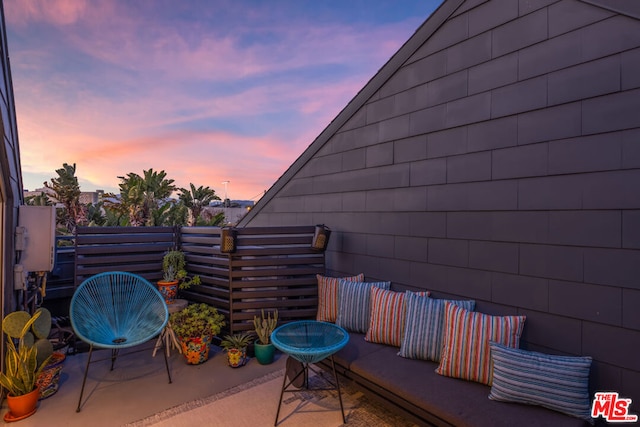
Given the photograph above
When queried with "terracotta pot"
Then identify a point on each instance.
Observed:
(22, 406)
(169, 290)
(48, 380)
(237, 357)
(195, 349)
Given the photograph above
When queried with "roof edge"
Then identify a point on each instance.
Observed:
(624, 7)
(428, 27)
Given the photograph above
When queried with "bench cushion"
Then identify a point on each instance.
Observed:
(356, 348)
(453, 401)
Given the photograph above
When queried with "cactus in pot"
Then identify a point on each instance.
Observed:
(264, 325)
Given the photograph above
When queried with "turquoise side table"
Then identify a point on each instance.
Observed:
(309, 342)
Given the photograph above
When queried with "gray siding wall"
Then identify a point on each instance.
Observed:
(501, 163)
(10, 181)
(10, 174)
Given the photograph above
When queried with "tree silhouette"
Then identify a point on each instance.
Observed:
(141, 197)
(196, 200)
(66, 191)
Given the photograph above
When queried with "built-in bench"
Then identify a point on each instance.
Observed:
(413, 388)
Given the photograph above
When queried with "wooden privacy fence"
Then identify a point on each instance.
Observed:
(133, 249)
(272, 268)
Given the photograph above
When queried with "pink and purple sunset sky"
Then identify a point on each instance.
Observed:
(206, 90)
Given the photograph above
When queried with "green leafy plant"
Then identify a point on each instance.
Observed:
(174, 268)
(265, 325)
(25, 361)
(238, 341)
(197, 320)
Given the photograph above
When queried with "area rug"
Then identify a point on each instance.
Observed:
(254, 404)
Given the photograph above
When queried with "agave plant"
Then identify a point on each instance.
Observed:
(25, 361)
(238, 341)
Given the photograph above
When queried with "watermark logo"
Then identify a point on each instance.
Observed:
(614, 409)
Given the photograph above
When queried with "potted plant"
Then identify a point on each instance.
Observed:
(174, 275)
(49, 378)
(25, 361)
(264, 349)
(236, 347)
(195, 326)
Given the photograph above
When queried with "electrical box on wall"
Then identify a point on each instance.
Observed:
(36, 237)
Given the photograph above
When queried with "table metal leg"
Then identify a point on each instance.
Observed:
(335, 378)
(305, 372)
(284, 385)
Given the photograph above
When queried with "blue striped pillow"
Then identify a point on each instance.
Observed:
(423, 323)
(560, 383)
(354, 304)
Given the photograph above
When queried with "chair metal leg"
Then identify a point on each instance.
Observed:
(84, 380)
(114, 355)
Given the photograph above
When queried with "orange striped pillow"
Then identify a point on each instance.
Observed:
(328, 296)
(386, 324)
(465, 342)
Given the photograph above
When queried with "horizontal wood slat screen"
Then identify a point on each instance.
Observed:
(272, 268)
(133, 249)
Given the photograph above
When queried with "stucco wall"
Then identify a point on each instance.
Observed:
(501, 162)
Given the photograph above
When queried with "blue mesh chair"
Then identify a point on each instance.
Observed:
(116, 310)
(309, 341)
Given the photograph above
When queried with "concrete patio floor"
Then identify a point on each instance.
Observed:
(138, 387)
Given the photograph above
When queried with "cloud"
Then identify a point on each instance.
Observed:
(207, 94)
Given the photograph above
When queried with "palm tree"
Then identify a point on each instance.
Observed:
(66, 191)
(130, 201)
(141, 196)
(95, 214)
(196, 199)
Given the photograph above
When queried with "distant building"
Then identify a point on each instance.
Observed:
(86, 197)
(234, 213)
(91, 196)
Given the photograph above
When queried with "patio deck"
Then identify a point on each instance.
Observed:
(137, 387)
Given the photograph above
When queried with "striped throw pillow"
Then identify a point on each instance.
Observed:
(387, 322)
(354, 304)
(424, 320)
(328, 296)
(560, 383)
(465, 342)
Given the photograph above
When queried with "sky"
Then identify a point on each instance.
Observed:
(206, 90)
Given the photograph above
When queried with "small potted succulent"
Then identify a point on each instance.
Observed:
(264, 325)
(174, 275)
(25, 361)
(236, 347)
(195, 326)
